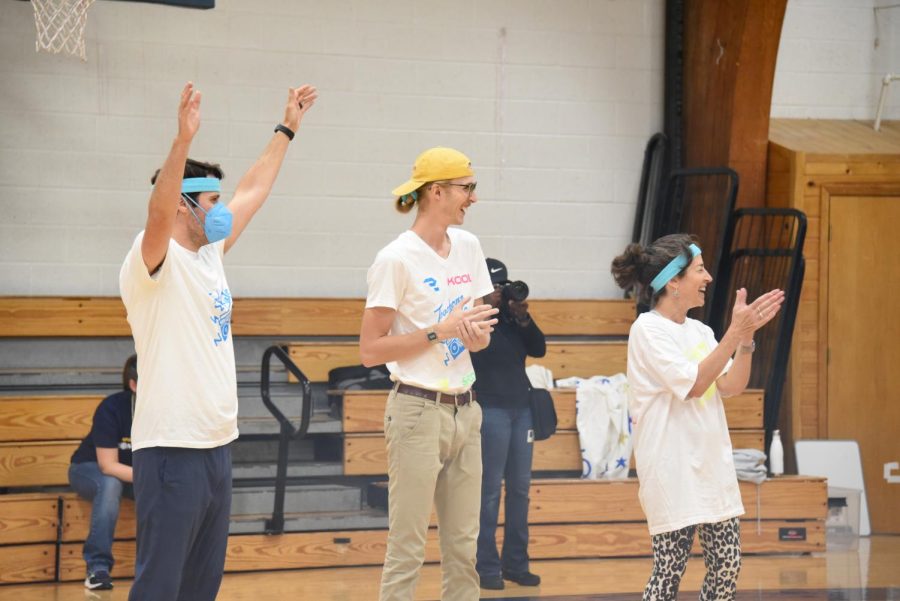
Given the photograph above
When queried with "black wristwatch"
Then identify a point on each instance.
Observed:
(285, 130)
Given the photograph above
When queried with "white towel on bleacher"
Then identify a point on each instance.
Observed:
(604, 428)
(750, 465)
(539, 376)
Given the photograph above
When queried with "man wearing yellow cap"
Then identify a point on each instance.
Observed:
(423, 317)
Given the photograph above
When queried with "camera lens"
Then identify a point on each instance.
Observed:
(517, 291)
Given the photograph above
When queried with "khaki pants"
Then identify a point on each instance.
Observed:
(434, 456)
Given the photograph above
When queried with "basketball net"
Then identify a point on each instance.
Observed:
(60, 26)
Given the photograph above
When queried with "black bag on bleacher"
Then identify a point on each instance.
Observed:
(355, 377)
(543, 413)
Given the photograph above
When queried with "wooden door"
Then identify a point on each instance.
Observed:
(863, 334)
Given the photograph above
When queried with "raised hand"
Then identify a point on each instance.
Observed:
(299, 101)
(746, 319)
(188, 112)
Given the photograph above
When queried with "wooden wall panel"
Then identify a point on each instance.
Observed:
(820, 155)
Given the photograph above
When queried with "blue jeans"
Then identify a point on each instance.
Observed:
(104, 491)
(506, 451)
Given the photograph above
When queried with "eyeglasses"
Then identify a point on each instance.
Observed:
(469, 188)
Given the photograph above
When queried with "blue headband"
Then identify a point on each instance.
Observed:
(201, 184)
(672, 269)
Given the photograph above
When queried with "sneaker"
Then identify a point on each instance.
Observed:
(494, 583)
(98, 581)
(524, 579)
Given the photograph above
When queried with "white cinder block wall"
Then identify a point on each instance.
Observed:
(828, 64)
(552, 99)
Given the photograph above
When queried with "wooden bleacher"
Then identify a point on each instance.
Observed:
(39, 433)
(563, 358)
(365, 453)
(105, 316)
(610, 524)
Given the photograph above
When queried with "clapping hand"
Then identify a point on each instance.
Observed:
(746, 319)
(472, 326)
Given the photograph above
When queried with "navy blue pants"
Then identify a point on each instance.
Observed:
(183, 502)
(506, 451)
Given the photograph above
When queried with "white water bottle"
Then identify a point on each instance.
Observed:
(776, 455)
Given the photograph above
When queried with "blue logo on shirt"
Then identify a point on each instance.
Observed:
(222, 304)
(454, 346)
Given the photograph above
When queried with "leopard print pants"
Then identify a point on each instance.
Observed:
(721, 543)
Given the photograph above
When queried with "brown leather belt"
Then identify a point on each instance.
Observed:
(462, 398)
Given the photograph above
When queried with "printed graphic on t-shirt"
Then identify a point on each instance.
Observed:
(454, 346)
(462, 278)
(125, 444)
(698, 354)
(222, 304)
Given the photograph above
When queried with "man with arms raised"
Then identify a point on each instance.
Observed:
(179, 306)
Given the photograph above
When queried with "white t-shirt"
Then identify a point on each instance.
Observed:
(681, 446)
(181, 322)
(411, 278)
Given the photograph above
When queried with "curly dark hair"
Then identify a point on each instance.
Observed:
(638, 265)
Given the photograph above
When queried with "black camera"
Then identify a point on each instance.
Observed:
(515, 291)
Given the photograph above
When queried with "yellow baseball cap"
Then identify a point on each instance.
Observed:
(436, 164)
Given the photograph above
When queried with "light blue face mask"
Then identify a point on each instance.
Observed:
(217, 225)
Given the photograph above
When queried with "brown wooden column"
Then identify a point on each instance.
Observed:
(730, 49)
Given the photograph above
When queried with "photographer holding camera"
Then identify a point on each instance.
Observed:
(507, 434)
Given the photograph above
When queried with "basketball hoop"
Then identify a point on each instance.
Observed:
(60, 26)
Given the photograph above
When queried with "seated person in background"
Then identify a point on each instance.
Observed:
(507, 432)
(101, 471)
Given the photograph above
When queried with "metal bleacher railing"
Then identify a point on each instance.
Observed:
(287, 431)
